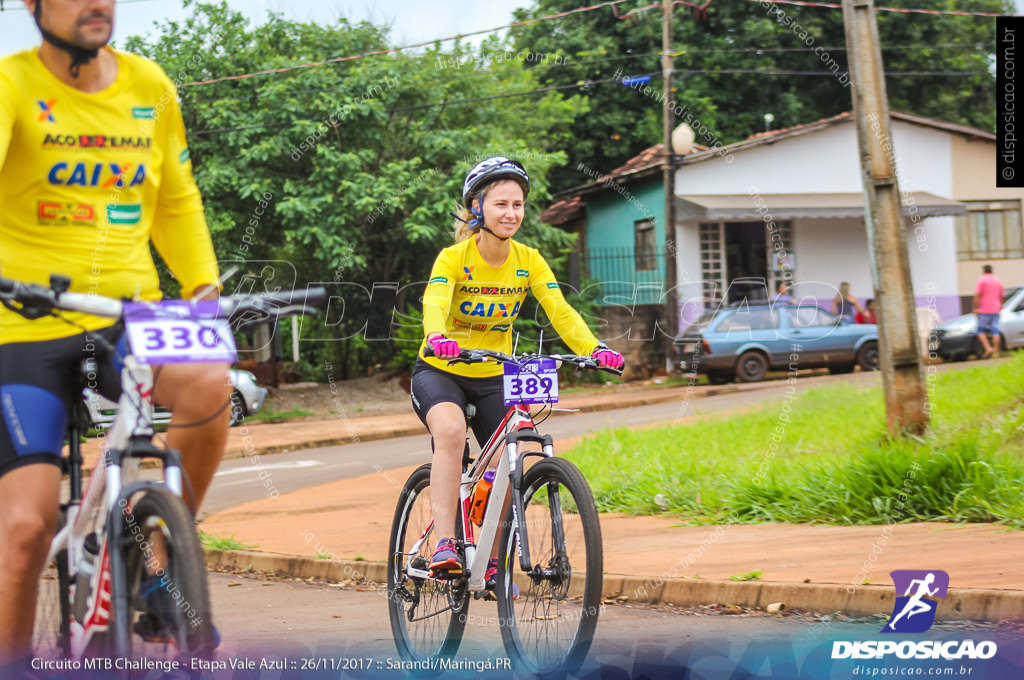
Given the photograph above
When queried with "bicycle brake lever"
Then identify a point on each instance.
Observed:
(293, 310)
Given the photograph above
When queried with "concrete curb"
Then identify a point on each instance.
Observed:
(976, 604)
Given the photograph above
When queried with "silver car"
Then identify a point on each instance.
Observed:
(957, 339)
(246, 399)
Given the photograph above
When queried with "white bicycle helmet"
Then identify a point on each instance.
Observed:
(490, 170)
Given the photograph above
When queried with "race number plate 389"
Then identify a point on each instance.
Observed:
(178, 331)
(535, 382)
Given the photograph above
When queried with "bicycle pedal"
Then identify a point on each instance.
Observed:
(446, 573)
(150, 629)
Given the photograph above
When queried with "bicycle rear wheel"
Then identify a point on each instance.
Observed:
(168, 599)
(428, 616)
(548, 629)
(50, 637)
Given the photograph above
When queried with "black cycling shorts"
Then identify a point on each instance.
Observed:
(37, 384)
(432, 386)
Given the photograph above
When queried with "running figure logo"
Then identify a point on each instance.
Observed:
(912, 613)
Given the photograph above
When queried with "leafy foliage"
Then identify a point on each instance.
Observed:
(347, 171)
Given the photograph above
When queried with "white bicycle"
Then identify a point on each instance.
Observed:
(550, 555)
(126, 576)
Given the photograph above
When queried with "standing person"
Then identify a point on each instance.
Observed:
(988, 302)
(782, 294)
(474, 294)
(844, 304)
(867, 315)
(93, 164)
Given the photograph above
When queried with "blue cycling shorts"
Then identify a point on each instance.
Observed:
(37, 383)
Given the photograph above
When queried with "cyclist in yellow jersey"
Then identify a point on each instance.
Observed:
(93, 166)
(474, 294)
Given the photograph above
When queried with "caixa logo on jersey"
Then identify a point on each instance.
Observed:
(106, 175)
(917, 595)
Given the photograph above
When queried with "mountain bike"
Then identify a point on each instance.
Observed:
(126, 577)
(550, 544)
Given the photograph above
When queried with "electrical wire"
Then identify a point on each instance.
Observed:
(731, 50)
(805, 3)
(653, 74)
(335, 60)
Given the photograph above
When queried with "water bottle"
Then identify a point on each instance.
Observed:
(83, 579)
(480, 495)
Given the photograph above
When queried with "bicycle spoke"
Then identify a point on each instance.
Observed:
(551, 624)
(428, 621)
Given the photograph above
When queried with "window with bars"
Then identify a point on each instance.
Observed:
(990, 229)
(644, 246)
(712, 263)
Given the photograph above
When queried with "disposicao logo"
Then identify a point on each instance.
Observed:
(914, 612)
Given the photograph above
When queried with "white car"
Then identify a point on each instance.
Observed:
(246, 399)
(957, 339)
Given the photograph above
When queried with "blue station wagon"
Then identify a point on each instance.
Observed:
(743, 343)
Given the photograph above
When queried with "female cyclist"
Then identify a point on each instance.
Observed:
(475, 291)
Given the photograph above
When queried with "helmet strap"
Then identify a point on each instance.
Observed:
(478, 221)
(79, 55)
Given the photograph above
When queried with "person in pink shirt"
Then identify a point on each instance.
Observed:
(988, 301)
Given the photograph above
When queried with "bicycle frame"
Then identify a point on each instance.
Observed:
(110, 487)
(517, 426)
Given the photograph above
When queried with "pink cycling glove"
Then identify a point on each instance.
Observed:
(443, 347)
(609, 357)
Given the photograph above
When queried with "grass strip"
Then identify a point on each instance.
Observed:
(823, 455)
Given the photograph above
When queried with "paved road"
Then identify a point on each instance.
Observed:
(296, 621)
(238, 482)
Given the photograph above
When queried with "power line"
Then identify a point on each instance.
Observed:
(805, 3)
(622, 57)
(390, 50)
(653, 74)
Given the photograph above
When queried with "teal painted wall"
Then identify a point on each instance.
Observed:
(610, 239)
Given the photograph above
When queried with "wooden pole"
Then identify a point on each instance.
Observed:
(900, 351)
(669, 182)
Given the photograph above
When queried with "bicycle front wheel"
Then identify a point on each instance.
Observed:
(168, 597)
(428, 615)
(51, 638)
(548, 629)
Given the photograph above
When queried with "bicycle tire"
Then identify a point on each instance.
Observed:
(548, 629)
(185, 609)
(51, 637)
(423, 602)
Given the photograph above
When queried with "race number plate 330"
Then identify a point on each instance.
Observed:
(178, 331)
(535, 382)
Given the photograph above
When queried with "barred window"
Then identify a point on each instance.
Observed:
(990, 230)
(645, 246)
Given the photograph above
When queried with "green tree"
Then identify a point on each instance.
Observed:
(742, 60)
(348, 170)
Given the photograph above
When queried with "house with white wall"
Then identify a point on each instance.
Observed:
(790, 204)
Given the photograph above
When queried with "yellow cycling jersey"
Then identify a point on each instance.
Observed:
(87, 179)
(475, 304)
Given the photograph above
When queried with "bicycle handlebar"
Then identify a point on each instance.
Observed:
(33, 301)
(476, 356)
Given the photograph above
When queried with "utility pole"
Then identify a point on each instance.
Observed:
(669, 182)
(900, 351)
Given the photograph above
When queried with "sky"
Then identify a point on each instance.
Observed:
(411, 22)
